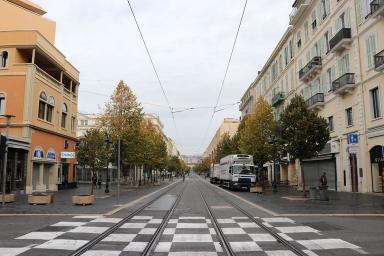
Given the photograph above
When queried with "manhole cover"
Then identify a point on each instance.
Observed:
(323, 226)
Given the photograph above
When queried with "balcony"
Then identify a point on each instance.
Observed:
(277, 99)
(341, 40)
(298, 10)
(344, 84)
(310, 70)
(379, 61)
(316, 102)
(377, 8)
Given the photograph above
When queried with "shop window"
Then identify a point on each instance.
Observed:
(375, 103)
(2, 104)
(4, 59)
(64, 113)
(42, 105)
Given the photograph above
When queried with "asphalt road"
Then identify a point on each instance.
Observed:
(191, 218)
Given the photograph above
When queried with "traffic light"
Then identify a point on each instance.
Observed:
(3, 142)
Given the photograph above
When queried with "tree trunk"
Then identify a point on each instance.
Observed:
(303, 177)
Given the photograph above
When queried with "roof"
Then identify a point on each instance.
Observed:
(29, 6)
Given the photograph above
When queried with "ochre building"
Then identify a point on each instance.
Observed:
(39, 87)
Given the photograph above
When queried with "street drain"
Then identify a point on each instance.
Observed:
(323, 226)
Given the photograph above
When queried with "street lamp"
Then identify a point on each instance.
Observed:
(109, 142)
(273, 142)
(8, 124)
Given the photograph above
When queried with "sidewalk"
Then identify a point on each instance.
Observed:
(63, 200)
(289, 201)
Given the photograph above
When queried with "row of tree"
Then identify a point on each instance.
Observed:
(298, 133)
(141, 143)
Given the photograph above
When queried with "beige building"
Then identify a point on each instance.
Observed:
(86, 122)
(229, 126)
(332, 55)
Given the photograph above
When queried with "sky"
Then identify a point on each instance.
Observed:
(190, 43)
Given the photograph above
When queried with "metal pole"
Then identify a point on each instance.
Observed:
(118, 171)
(5, 159)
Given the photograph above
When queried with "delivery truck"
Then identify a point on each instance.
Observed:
(237, 172)
(215, 174)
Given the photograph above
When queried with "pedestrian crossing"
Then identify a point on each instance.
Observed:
(182, 236)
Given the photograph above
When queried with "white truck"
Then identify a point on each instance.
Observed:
(215, 174)
(237, 172)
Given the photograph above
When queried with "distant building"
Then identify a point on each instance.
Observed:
(86, 122)
(229, 126)
(40, 87)
(192, 160)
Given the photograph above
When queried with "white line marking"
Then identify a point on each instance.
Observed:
(192, 238)
(62, 244)
(40, 235)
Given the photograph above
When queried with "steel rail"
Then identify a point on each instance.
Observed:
(281, 240)
(112, 229)
(224, 241)
(159, 231)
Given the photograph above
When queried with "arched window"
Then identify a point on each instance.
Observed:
(4, 59)
(42, 105)
(50, 107)
(64, 113)
(2, 103)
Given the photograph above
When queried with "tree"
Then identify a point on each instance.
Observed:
(240, 130)
(225, 147)
(302, 132)
(93, 151)
(257, 132)
(203, 166)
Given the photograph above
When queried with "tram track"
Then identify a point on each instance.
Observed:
(126, 219)
(258, 222)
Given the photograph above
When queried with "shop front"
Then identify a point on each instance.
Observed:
(44, 170)
(377, 168)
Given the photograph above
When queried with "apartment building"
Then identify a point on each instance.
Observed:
(332, 54)
(86, 122)
(228, 126)
(39, 87)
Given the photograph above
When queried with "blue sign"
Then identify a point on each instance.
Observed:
(353, 138)
(51, 156)
(38, 154)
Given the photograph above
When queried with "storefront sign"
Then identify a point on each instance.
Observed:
(38, 153)
(51, 155)
(377, 154)
(68, 155)
(353, 138)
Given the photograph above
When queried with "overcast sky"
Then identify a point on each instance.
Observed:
(190, 42)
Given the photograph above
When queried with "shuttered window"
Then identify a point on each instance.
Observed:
(370, 47)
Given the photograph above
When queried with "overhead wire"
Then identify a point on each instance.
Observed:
(153, 64)
(226, 73)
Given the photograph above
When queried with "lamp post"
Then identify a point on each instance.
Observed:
(8, 124)
(108, 142)
(273, 142)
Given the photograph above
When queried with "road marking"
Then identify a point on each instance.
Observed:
(192, 238)
(107, 220)
(101, 253)
(41, 235)
(135, 247)
(89, 230)
(297, 229)
(262, 238)
(62, 244)
(13, 251)
(280, 253)
(245, 247)
(248, 225)
(120, 238)
(69, 224)
(332, 215)
(327, 244)
(192, 225)
(277, 220)
(139, 199)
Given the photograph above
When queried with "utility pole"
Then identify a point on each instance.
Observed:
(6, 156)
(118, 171)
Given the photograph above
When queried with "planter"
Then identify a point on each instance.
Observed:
(9, 198)
(83, 199)
(257, 189)
(36, 199)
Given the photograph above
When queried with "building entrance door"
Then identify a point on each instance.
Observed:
(354, 175)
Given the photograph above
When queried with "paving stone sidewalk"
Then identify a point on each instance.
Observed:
(289, 201)
(63, 200)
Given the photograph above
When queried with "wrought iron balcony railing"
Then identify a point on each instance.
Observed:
(377, 6)
(277, 99)
(315, 101)
(341, 37)
(379, 61)
(343, 83)
(310, 68)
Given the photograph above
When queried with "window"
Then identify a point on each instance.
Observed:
(73, 123)
(64, 113)
(370, 47)
(4, 59)
(375, 102)
(330, 124)
(325, 8)
(298, 40)
(42, 105)
(306, 32)
(50, 107)
(326, 38)
(349, 116)
(328, 79)
(2, 104)
(314, 21)
(344, 65)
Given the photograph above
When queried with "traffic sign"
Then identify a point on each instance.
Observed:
(353, 138)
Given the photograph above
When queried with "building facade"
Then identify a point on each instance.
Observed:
(86, 122)
(39, 87)
(229, 126)
(332, 54)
